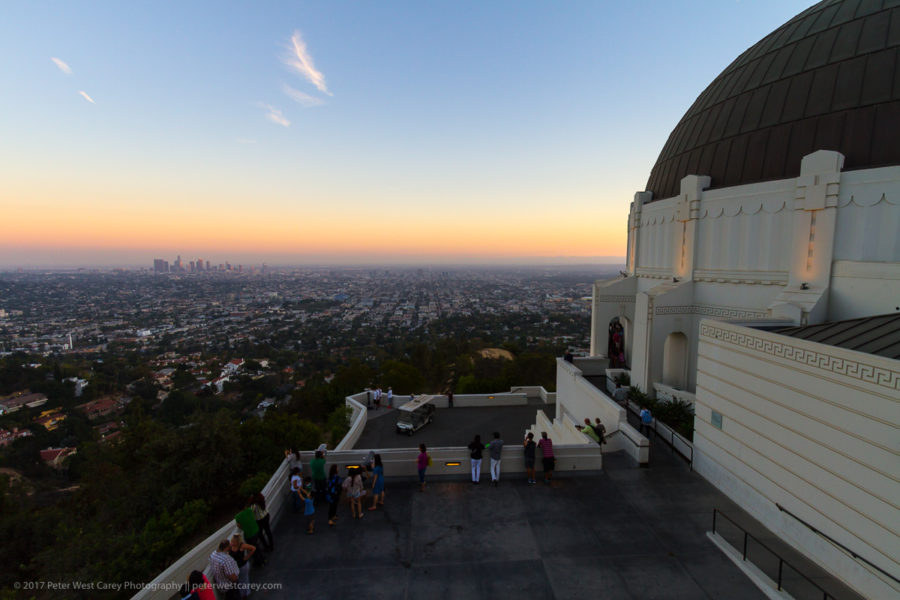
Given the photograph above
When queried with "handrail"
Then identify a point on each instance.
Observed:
(837, 543)
(626, 436)
(671, 442)
(672, 435)
(781, 561)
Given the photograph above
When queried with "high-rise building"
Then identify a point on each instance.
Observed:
(160, 266)
(199, 264)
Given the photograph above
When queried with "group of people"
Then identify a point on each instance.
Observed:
(596, 430)
(230, 563)
(307, 493)
(548, 462)
(476, 450)
(376, 395)
(495, 450)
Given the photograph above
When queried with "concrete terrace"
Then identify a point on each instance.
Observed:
(623, 533)
(453, 426)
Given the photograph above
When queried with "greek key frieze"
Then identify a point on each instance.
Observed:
(827, 362)
(616, 299)
(720, 312)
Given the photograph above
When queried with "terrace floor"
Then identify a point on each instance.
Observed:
(453, 426)
(625, 532)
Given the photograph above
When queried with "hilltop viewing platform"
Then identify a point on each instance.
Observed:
(623, 531)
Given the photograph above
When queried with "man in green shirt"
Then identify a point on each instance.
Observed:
(317, 466)
(587, 430)
(246, 522)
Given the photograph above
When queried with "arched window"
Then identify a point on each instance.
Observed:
(675, 360)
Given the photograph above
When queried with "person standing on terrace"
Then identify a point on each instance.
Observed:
(588, 430)
(294, 460)
(546, 446)
(529, 446)
(353, 485)
(496, 448)
(241, 552)
(377, 483)
(422, 462)
(224, 571)
(646, 420)
(333, 493)
(476, 449)
(258, 506)
(317, 466)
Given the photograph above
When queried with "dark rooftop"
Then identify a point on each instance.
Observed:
(828, 79)
(874, 335)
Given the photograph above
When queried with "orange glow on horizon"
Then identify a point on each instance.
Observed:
(229, 226)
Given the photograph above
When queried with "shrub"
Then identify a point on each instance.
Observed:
(677, 414)
(254, 484)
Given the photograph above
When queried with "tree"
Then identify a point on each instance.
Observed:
(402, 377)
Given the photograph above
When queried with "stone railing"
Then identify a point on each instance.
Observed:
(166, 584)
(357, 421)
(398, 463)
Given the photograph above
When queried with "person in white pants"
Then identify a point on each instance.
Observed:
(476, 448)
(496, 448)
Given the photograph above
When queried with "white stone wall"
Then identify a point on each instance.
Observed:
(822, 246)
(814, 428)
(869, 216)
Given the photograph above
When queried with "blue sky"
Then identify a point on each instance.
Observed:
(517, 129)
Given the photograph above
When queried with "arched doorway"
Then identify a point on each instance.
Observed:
(615, 350)
(675, 360)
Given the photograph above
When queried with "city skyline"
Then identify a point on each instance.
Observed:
(328, 133)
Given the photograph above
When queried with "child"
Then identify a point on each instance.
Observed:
(310, 508)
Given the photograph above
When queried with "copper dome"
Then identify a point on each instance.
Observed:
(828, 79)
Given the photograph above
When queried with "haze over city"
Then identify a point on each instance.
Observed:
(322, 132)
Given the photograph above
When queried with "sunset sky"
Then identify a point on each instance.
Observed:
(344, 132)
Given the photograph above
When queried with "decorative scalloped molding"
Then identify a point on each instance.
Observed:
(721, 312)
(616, 299)
(657, 219)
(862, 204)
(749, 209)
(853, 369)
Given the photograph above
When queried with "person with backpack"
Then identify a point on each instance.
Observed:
(646, 420)
(333, 493)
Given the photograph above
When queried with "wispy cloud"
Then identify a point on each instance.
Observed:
(86, 97)
(301, 97)
(299, 60)
(275, 115)
(62, 65)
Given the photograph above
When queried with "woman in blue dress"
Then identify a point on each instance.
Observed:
(377, 483)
